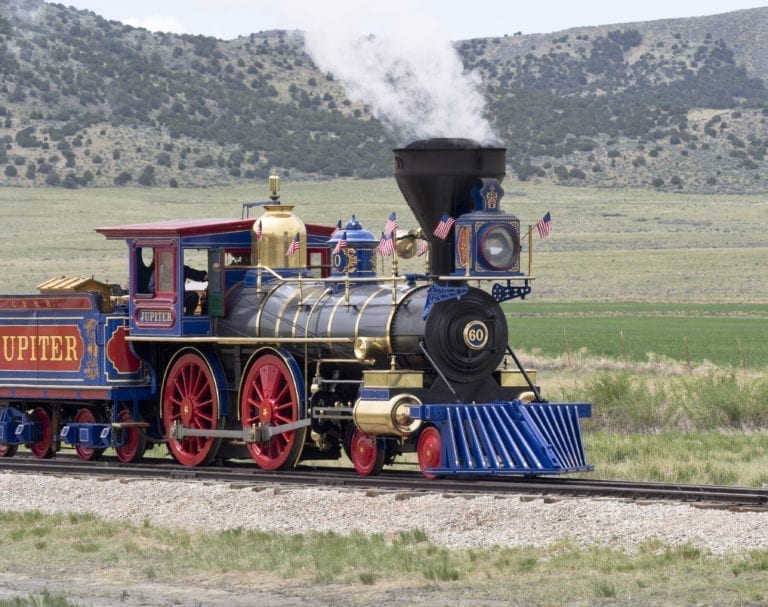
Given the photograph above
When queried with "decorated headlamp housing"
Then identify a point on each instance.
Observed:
(487, 241)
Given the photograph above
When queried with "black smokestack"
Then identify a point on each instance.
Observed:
(436, 176)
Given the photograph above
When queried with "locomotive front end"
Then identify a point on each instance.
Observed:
(480, 414)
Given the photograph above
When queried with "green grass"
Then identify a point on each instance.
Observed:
(607, 245)
(374, 567)
(725, 334)
(714, 458)
(39, 599)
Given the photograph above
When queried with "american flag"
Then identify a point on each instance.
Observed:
(391, 224)
(544, 225)
(258, 231)
(341, 243)
(387, 245)
(423, 246)
(293, 247)
(444, 226)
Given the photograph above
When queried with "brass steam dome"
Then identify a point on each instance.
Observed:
(275, 231)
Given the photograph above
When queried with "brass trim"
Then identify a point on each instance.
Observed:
(468, 331)
(260, 309)
(393, 379)
(386, 417)
(362, 308)
(370, 348)
(390, 319)
(289, 297)
(227, 341)
(311, 313)
(318, 291)
(514, 378)
(332, 315)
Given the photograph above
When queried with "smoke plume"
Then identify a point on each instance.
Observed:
(408, 74)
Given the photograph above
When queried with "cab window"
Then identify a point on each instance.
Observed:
(164, 263)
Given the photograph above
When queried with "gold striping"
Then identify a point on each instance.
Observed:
(361, 311)
(296, 317)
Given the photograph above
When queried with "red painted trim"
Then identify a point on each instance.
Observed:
(316, 229)
(55, 393)
(194, 227)
(177, 228)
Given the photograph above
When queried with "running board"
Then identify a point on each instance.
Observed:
(508, 438)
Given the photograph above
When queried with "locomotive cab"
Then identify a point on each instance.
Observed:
(178, 273)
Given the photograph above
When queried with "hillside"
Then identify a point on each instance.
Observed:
(677, 105)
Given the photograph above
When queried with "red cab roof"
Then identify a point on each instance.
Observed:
(193, 227)
(177, 228)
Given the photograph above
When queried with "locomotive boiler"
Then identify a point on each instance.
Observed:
(300, 347)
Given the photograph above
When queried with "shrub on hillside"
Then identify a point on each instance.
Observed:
(123, 178)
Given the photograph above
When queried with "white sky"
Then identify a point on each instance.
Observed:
(455, 19)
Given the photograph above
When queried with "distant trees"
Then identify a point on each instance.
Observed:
(123, 178)
(26, 138)
(147, 177)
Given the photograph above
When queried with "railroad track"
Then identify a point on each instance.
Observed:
(735, 498)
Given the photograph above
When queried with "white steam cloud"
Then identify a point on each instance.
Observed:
(408, 74)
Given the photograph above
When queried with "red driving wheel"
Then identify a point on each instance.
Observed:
(191, 398)
(42, 447)
(86, 416)
(134, 440)
(365, 454)
(429, 451)
(8, 450)
(269, 397)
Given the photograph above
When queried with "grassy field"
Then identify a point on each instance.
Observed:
(732, 335)
(329, 569)
(606, 245)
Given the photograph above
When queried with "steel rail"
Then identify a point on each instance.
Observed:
(738, 498)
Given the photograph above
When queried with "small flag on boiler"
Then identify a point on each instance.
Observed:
(258, 231)
(444, 226)
(387, 245)
(391, 225)
(341, 243)
(294, 246)
(544, 225)
(423, 246)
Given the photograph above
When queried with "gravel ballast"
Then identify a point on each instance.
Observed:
(457, 522)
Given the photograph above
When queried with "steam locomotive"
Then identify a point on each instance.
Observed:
(294, 347)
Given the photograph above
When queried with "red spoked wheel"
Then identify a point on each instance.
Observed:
(42, 447)
(134, 440)
(365, 454)
(86, 416)
(8, 450)
(269, 396)
(429, 451)
(190, 397)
